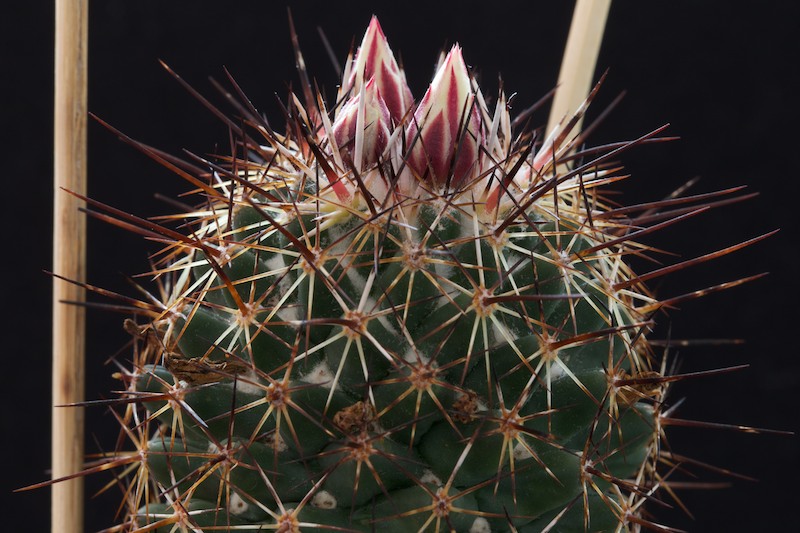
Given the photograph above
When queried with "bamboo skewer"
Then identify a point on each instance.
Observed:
(580, 57)
(69, 260)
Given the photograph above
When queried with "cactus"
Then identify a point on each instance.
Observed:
(399, 315)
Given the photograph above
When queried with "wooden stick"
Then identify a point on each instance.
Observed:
(69, 260)
(580, 57)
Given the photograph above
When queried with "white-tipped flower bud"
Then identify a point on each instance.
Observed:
(445, 135)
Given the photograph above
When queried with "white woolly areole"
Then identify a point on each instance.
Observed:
(289, 313)
(276, 263)
(358, 281)
(429, 477)
(277, 267)
(564, 258)
(414, 356)
(445, 271)
(383, 319)
(324, 500)
(320, 375)
(236, 504)
(521, 452)
(248, 385)
(480, 405)
(480, 525)
(556, 370)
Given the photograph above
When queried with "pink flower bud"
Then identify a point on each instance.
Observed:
(447, 146)
(375, 60)
(362, 139)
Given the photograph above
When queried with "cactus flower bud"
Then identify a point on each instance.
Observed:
(362, 128)
(375, 60)
(444, 137)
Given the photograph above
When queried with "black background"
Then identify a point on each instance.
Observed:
(724, 74)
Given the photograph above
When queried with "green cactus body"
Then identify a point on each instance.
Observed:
(352, 339)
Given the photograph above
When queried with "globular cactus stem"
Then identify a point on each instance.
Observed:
(398, 315)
